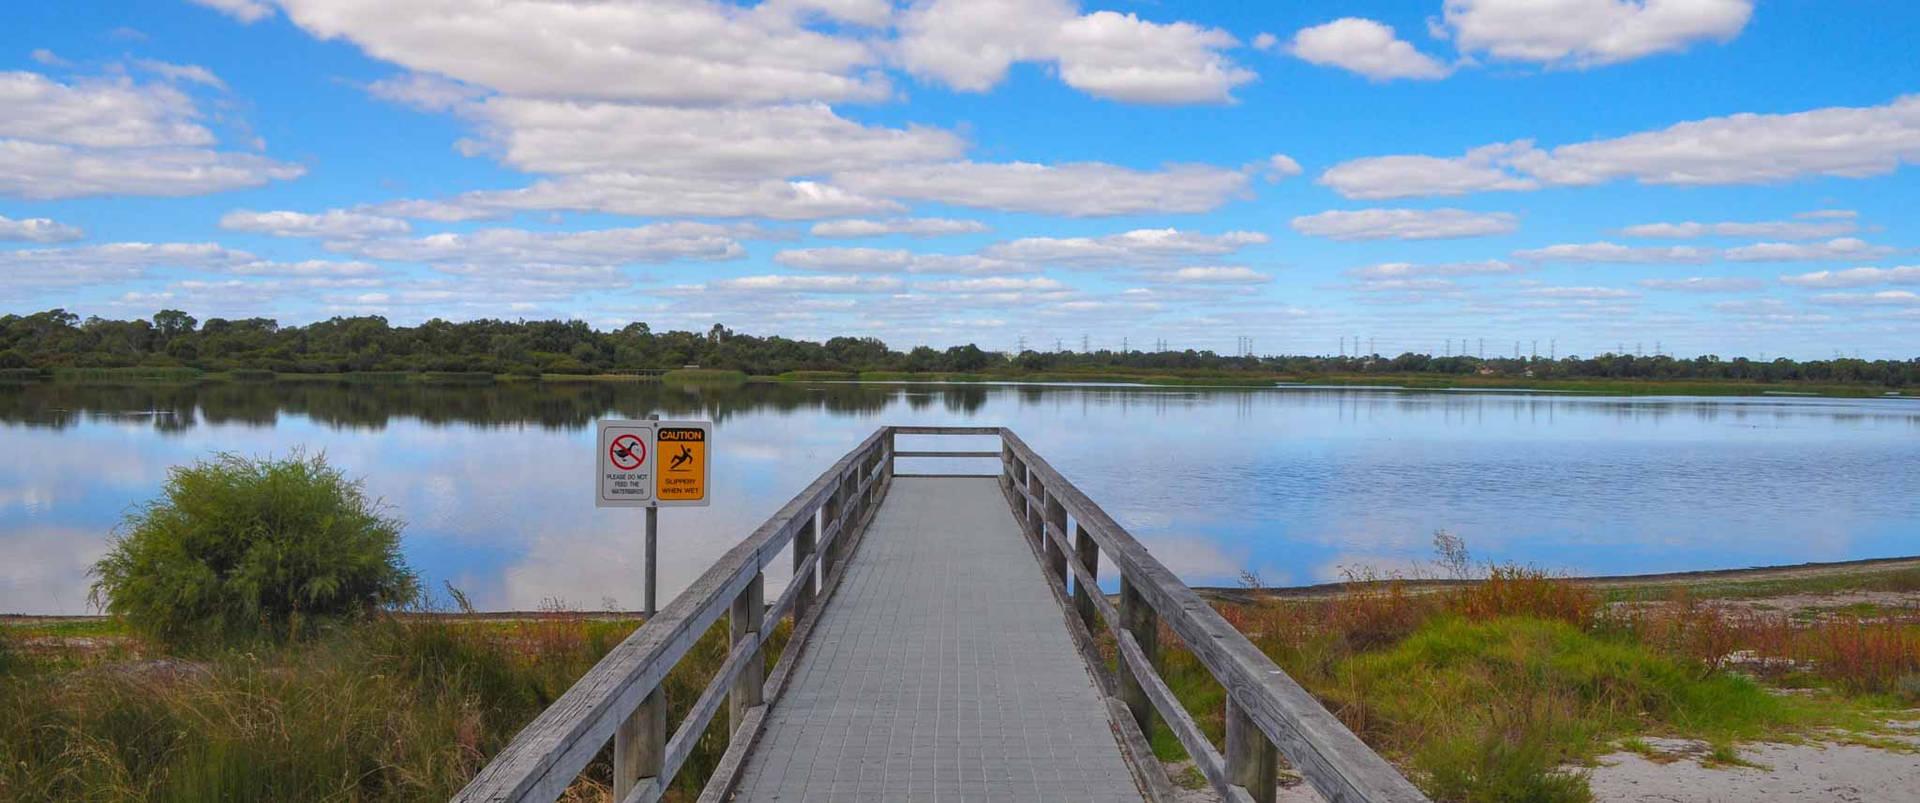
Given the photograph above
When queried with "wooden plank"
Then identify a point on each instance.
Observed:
(905, 453)
(544, 758)
(640, 745)
(909, 430)
(1338, 765)
(1139, 621)
(707, 705)
(1206, 759)
(795, 593)
(1086, 585)
(1252, 763)
(1148, 772)
(950, 476)
(747, 619)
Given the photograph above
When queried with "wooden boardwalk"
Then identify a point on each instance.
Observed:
(943, 649)
(942, 670)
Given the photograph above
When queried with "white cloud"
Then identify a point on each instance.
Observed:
(1587, 293)
(914, 226)
(1200, 274)
(642, 195)
(1377, 177)
(544, 136)
(1884, 298)
(1782, 229)
(425, 92)
(1836, 250)
(1585, 33)
(333, 224)
(1604, 252)
(656, 242)
(38, 230)
(1705, 284)
(1856, 277)
(192, 73)
(1408, 270)
(247, 11)
(42, 55)
(1405, 224)
(1281, 166)
(889, 260)
(991, 285)
(97, 113)
(40, 171)
(1828, 214)
(1846, 142)
(1365, 47)
(803, 284)
(1079, 189)
(114, 137)
(970, 44)
(28, 270)
(660, 51)
(1132, 248)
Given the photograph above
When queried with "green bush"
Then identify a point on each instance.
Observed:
(239, 549)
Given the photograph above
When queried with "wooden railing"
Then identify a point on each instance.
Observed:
(620, 698)
(1265, 708)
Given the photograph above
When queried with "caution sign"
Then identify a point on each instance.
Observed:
(680, 463)
(623, 464)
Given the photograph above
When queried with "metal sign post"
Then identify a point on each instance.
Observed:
(653, 542)
(652, 464)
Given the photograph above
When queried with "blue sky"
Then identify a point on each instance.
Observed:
(1700, 176)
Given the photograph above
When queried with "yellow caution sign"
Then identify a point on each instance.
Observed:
(680, 463)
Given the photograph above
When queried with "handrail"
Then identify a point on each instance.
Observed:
(1260, 695)
(620, 699)
(621, 692)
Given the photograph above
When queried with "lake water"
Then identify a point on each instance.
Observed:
(494, 482)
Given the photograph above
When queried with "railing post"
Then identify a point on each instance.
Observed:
(1138, 618)
(640, 744)
(1057, 519)
(803, 545)
(1252, 762)
(748, 615)
(890, 450)
(1088, 554)
(829, 519)
(1035, 514)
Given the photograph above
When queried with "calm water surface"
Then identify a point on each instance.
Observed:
(495, 482)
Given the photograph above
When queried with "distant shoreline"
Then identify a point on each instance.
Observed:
(1406, 382)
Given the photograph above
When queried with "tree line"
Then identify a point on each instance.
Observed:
(55, 339)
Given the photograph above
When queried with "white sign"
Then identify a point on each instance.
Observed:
(623, 464)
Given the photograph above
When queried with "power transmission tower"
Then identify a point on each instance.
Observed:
(1023, 345)
(1123, 345)
(1483, 348)
(1343, 346)
(1534, 353)
(1083, 344)
(1370, 351)
(1058, 346)
(1551, 343)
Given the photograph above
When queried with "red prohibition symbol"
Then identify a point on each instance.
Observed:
(627, 452)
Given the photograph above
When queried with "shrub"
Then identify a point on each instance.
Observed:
(240, 548)
(1526, 591)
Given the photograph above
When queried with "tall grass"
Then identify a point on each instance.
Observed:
(399, 708)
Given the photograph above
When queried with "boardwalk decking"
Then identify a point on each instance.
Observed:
(942, 670)
(936, 655)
